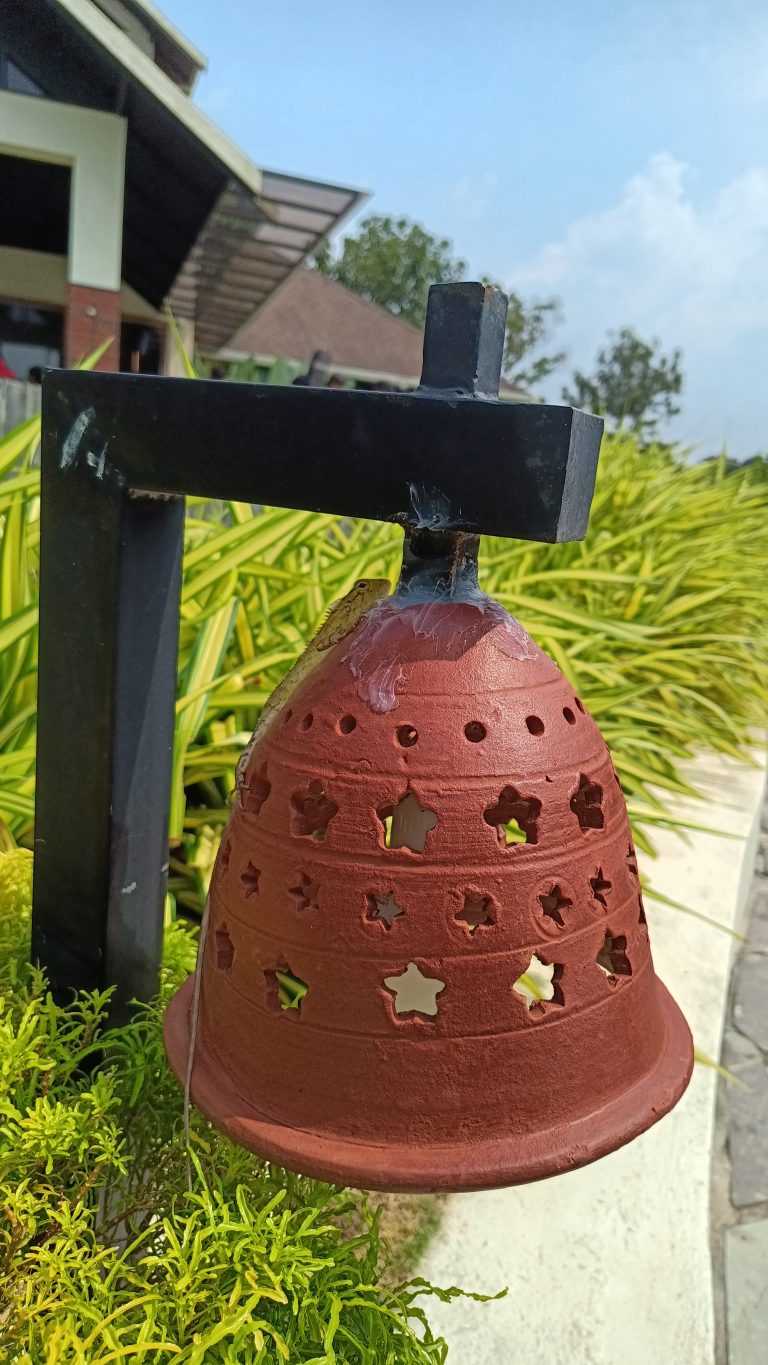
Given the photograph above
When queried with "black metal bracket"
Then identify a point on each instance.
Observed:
(119, 453)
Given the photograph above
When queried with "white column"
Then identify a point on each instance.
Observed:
(92, 143)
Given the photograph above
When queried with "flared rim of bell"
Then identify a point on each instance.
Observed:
(451, 1167)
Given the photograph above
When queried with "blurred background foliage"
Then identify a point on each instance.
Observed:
(658, 619)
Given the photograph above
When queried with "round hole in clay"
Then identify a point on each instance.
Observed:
(474, 731)
(306, 721)
(407, 736)
(569, 716)
(347, 724)
(535, 725)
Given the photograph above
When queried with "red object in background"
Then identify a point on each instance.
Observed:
(5, 373)
(453, 882)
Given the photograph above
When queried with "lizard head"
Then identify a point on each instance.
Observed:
(374, 587)
(344, 615)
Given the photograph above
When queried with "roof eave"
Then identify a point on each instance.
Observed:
(141, 68)
(228, 353)
(158, 20)
(508, 393)
(262, 256)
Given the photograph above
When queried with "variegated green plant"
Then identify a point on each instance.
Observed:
(657, 618)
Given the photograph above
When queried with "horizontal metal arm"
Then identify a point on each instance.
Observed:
(524, 470)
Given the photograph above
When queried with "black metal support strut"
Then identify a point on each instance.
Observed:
(119, 453)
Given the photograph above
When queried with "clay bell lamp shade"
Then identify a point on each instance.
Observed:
(427, 963)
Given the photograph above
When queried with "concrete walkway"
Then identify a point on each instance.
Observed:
(613, 1261)
(740, 1168)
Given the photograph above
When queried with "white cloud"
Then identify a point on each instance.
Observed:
(695, 275)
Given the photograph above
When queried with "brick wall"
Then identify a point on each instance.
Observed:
(92, 316)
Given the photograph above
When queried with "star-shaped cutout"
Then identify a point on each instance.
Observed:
(225, 949)
(587, 804)
(312, 812)
(612, 956)
(553, 904)
(538, 982)
(407, 824)
(414, 993)
(285, 991)
(475, 911)
(250, 880)
(225, 853)
(632, 860)
(254, 792)
(384, 908)
(599, 887)
(514, 817)
(305, 893)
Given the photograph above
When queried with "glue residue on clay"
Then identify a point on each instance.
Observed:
(446, 627)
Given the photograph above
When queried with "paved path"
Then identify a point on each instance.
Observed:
(740, 1168)
(613, 1261)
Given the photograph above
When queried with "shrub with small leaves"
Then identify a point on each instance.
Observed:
(106, 1255)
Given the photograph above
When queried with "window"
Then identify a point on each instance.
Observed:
(25, 186)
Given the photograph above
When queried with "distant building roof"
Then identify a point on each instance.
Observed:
(312, 313)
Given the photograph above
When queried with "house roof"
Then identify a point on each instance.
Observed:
(202, 223)
(313, 313)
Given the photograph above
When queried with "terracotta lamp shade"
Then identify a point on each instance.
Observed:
(427, 964)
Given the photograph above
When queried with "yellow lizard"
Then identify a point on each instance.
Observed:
(340, 621)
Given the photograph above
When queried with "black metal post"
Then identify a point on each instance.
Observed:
(109, 605)
(118, 454)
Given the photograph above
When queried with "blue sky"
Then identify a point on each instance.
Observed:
(614, 155)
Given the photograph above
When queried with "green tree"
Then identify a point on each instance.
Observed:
(392, 262)
(633, 385)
